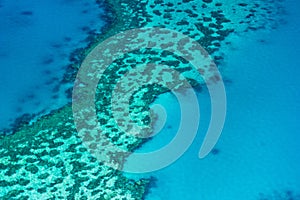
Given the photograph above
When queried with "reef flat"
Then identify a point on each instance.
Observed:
(47, 159)
(208, 22)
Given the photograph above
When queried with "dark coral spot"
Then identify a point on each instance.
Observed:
(47, 61)
(32, 168)
(27, 13)
(215, 151)
(242, 4)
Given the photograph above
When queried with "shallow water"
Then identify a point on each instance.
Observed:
(257, 154)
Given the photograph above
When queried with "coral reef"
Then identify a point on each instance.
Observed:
(280, 195)
(47, 160)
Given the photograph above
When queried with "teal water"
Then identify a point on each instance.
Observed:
(257, 156)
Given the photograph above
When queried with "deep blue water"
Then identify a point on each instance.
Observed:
(36, 40)
(258, 152)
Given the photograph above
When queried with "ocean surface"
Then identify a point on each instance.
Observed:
(36, 42)
(257, 156)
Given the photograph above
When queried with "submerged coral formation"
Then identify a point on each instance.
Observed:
(47, 159)
(280, 195)
(209, 23)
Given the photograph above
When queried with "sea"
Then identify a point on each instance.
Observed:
(257, 155)
(37, 39)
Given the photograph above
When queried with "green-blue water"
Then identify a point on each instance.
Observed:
(256, 51)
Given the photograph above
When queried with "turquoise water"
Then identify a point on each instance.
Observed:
(257, 155)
